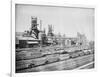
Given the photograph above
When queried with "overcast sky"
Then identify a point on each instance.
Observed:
(67, 20)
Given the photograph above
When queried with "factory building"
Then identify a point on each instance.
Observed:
(36, 35)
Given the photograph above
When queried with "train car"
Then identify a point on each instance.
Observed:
(60, 51)
(52, 51)
(52, 58)
(86, 52)
(73, 54)
(46, 52)
(37, 62)
(64, 56)
(81, 53)
(91, 51)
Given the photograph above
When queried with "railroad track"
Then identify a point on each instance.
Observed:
(86, 65)
(31, 58)
(51, 47)
(28, 49)
(61, 65)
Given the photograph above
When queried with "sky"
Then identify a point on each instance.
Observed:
(66, 20)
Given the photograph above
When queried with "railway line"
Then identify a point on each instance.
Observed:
(67, 64)
(35, 57)
(86, 66)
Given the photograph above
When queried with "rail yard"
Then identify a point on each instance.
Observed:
(52, 58)
(53, 61)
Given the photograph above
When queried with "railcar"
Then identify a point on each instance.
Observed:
(73, 54)
(81, 53)
(37, 62)
(64, 56)
(52, 58)
(91, 51)
(86, 52)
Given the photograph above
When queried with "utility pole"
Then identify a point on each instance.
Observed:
(40, 25)
(40, 35)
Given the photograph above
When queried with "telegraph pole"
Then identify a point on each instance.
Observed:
(40, 34)
(40, 25)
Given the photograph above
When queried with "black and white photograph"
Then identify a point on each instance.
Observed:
(53, 38)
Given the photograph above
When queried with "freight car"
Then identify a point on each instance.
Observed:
(86, 52)
(64, 56)
(37, 62)
(52, 58)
